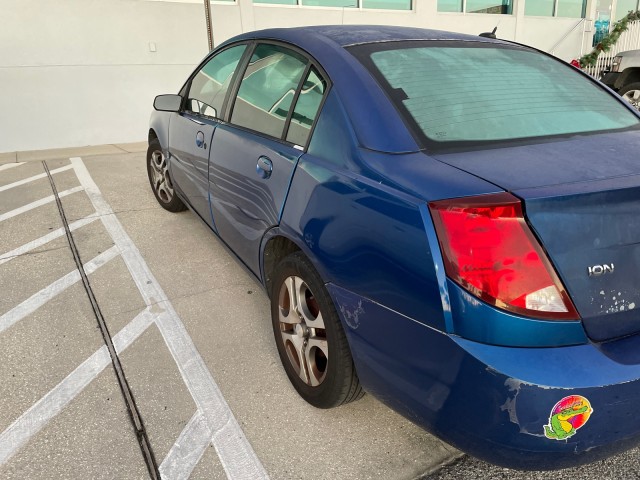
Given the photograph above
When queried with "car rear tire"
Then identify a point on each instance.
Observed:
(631, 93)
(309, 336)
(160, 180)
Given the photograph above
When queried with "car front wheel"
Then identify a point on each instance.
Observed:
(631, 93)
(309, 336)
(160, 179)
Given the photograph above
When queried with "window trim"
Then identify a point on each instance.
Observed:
(294, 101)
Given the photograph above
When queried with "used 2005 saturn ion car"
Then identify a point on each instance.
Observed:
(450, 223)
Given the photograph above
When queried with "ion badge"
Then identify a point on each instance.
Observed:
(567, 416)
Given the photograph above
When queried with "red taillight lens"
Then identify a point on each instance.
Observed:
(489, 250)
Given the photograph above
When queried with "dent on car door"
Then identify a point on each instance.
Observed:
(253, 157)
(191, 130)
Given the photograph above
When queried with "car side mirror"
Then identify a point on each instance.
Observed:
(167, 103)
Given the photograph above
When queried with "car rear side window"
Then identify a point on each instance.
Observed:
(267, 89)
(209, 86)
(306, 109)
(483, 93)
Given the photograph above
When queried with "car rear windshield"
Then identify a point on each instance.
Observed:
(478, 92)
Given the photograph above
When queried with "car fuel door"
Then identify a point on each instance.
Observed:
(253, 157)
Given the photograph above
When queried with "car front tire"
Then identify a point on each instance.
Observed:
(160, 179)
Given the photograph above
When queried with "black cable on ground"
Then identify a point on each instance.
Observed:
(127, 395)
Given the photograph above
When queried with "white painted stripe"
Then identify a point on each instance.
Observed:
(34, 419)
(187, 451)
(7, 166)
(38, 299)
(235, 452)
(133, 329)
(34, 178)
(27, 247)
(37, 203)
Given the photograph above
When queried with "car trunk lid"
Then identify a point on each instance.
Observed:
(582, 199)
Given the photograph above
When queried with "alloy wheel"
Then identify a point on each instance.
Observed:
(303, 330)
(633, 97)
(160, 176)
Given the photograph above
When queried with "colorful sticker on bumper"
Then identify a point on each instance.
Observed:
(567, 416)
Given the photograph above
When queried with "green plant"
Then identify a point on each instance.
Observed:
(609, 40)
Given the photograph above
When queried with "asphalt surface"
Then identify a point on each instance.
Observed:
(625, 466)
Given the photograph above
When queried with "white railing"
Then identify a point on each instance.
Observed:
(629, 40)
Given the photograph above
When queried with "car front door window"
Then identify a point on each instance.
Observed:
(209, 86)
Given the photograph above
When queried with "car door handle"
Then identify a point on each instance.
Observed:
(264, 167)
(200, 140)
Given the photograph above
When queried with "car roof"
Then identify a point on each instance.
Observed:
(376, 122)
(347, 35)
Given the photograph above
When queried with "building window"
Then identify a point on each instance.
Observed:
(556, 8)
(476, 6)
(277, 2)
(626, 6)
(330, 3)
(379, 4)
(387, 4)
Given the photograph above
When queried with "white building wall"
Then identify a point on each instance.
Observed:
(82, 72)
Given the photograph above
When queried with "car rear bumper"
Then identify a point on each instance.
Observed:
(491, 401)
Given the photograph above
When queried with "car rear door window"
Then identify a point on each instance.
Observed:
(267, 89)
(209, 86)
(306, 109)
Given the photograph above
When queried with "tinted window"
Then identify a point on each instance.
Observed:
(541, 8)
(210, 85)
(306, 109)
(267, 89)
(387, 4)
(462, 93)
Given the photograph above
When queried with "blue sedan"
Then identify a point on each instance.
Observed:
(450, 223)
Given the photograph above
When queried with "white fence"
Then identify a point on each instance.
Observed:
(629, 40)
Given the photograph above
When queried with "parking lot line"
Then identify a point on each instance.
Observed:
(188, 449)
(7, 166)
(24, 181)
(37, 203)
(38, 242)
(234, 450)
(38, 299)
(52, 403)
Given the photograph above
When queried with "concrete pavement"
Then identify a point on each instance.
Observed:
(192, 333)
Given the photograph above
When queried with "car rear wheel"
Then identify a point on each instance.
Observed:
(160, 180)
(309, 336)
(631, 93)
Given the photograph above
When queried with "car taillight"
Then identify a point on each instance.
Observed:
(489, 250)
(615, 66)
